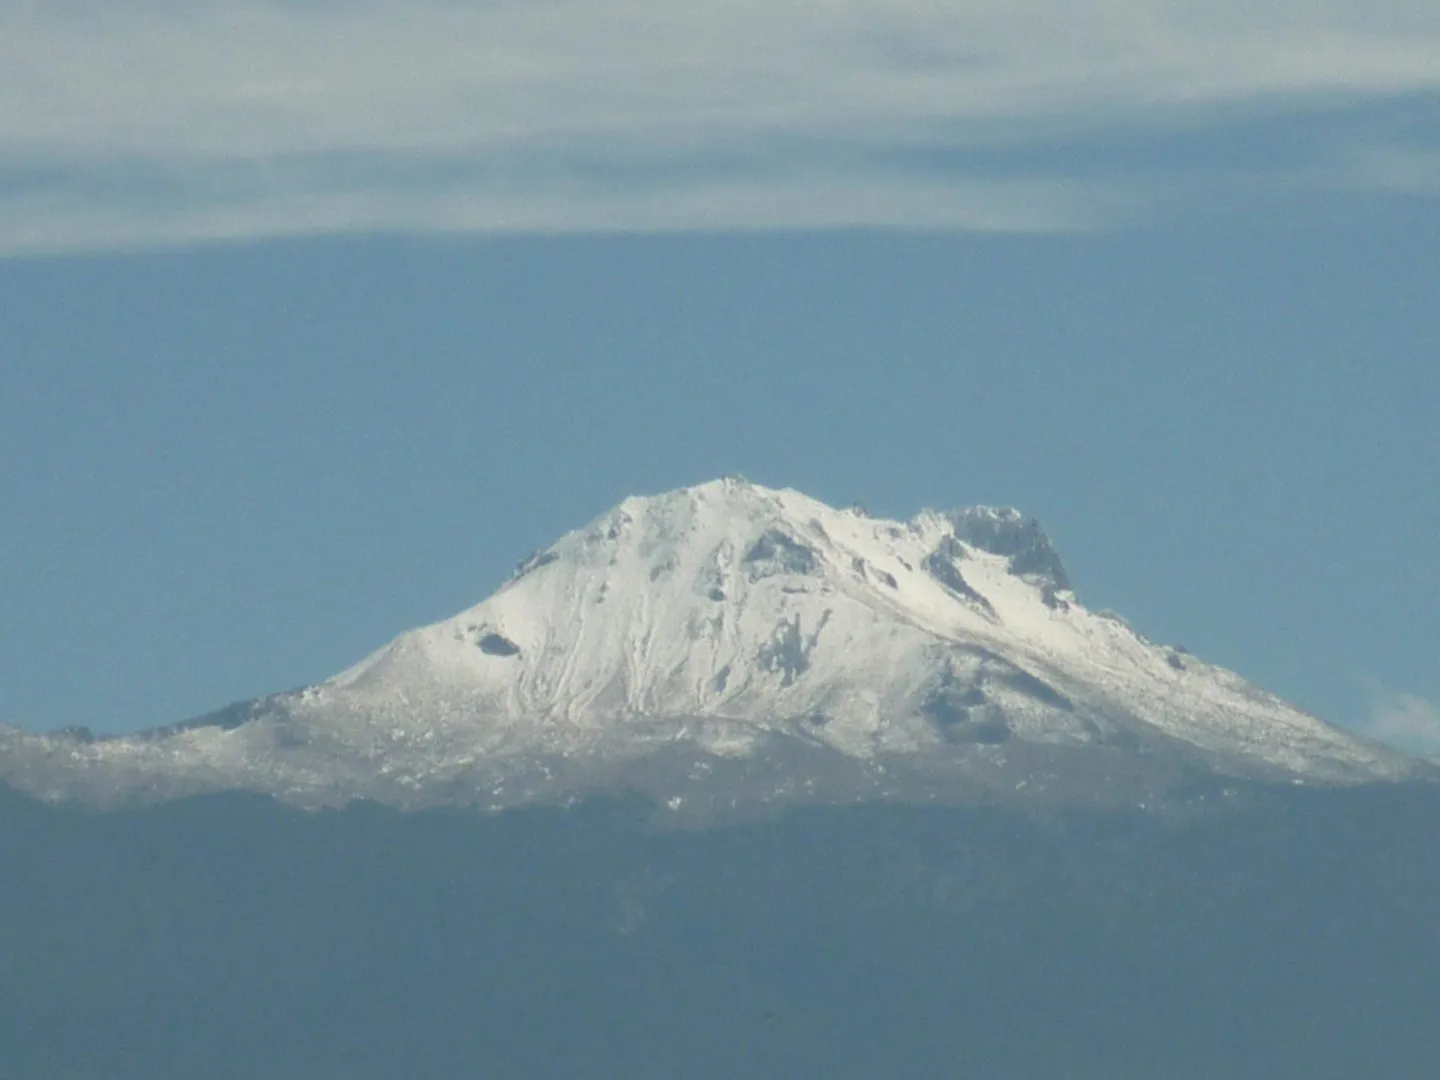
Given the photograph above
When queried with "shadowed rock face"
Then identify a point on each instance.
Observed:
(498, 645)
(1009, 533)
(777, 553)
(942, 568)
(786, 653)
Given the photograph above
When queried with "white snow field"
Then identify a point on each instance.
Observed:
(733, 623)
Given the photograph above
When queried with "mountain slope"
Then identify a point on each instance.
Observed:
(730, 637)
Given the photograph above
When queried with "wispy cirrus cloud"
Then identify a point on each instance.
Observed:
(157, 122)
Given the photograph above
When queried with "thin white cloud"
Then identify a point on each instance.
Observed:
(1407, 722)
(124, 123)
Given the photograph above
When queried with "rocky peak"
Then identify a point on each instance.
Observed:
(1007, 532)
(746, 635)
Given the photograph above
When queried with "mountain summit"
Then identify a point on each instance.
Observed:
(733, 642)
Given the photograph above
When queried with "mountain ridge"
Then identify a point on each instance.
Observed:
(721, 628)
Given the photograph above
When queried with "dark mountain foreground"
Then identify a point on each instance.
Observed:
(231, 937)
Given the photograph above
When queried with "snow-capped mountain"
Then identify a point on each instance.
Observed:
(743, 642)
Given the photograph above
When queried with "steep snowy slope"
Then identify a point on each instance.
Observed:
(804, 647)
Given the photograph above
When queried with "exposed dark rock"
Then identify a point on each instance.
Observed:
(964, 714)
(777, 553)
(943, 570)
(951, 704)
(1010, 533)
(951, 548)
(498, 645)
(982, 725)
(788, 651)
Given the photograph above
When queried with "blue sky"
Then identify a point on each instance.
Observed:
(316, 319)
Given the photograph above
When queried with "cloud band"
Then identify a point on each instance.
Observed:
(157, 122)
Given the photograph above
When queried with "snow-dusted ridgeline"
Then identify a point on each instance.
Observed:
(730, 622)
